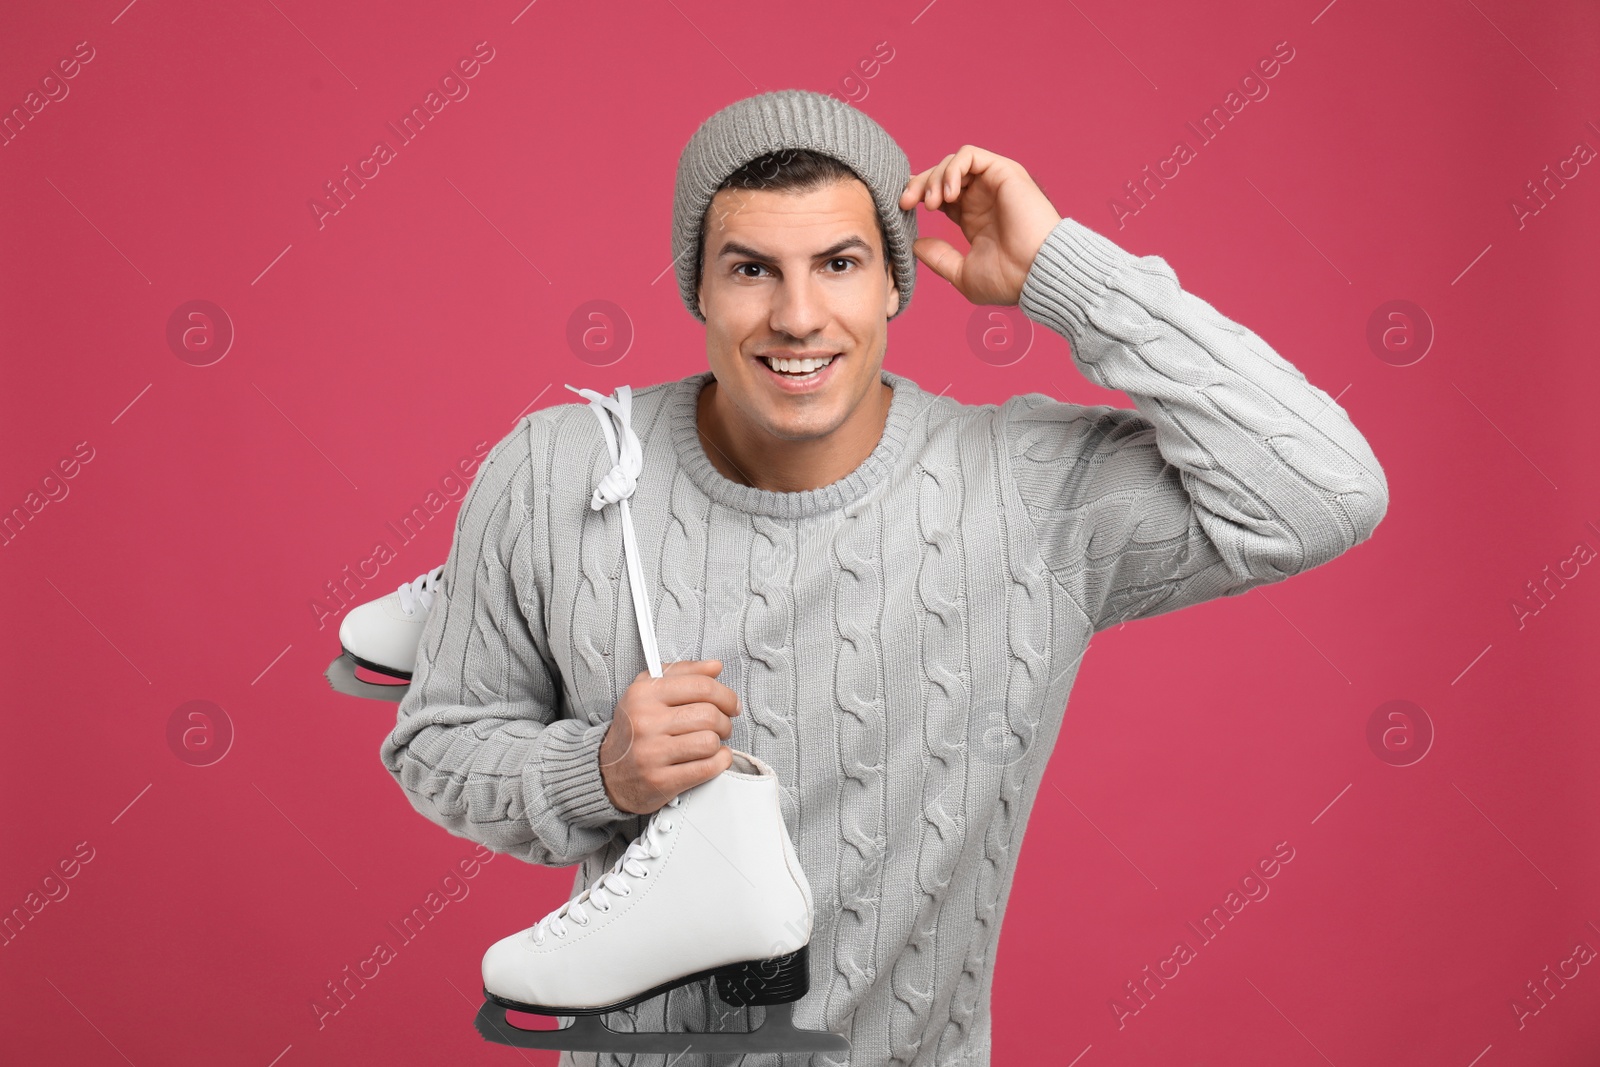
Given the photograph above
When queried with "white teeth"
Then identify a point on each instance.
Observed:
(797, 366)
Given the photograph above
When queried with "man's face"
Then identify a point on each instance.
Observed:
(785, 274)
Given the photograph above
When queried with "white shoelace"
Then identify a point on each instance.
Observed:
(617, 486)
(627, 457)
(420, 589)
(644, 847)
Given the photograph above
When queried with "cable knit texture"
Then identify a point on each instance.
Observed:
(903, 640)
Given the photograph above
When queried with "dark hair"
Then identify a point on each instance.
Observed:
(799, 170)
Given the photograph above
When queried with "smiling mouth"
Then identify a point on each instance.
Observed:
(798, 369)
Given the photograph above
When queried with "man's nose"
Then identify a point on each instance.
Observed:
(799, 307)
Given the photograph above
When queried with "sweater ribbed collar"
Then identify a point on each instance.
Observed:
(682, 400)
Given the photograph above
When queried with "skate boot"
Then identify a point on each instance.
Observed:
(382, 635)
(711, 889)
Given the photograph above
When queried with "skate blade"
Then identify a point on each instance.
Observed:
(589, 1033)
(341, 675)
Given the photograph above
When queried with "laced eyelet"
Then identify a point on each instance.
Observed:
(667, 826)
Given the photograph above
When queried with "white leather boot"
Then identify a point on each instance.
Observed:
(711, 885)
(711, 888)
(382, 635)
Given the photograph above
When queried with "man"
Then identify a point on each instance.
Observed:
(898, 586)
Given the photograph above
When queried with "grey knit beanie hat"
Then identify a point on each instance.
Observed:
(770, 122)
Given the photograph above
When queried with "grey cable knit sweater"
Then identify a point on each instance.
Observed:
(903, 641)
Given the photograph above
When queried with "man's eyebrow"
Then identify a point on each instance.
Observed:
(734, 248)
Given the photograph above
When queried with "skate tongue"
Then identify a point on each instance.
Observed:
(744, 763)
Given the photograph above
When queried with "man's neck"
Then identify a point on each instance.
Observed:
(764, 462)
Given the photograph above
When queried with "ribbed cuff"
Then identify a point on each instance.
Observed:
(568, 771)
(1069, 276)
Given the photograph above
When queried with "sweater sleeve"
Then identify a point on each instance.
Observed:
(1233, 472)
(480, 747)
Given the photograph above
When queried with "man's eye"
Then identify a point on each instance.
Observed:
(759, 266)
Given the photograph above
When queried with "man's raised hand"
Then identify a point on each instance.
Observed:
(1003, 214)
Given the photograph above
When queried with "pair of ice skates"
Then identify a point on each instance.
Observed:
(712, 888)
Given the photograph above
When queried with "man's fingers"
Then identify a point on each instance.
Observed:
(944, 181)
(699, 717)
(686, 687)
(933, 196)
(921, 185)
(688, 748)
(692, 666)
(913, 193)
(950, 180)
(687, 775)
(941, 257)
(686, 692)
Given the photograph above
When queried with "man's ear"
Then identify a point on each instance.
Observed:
(894, 298)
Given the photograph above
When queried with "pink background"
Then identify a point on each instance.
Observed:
(189, 553)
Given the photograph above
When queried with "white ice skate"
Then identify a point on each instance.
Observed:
(382, 635)
(711, 888)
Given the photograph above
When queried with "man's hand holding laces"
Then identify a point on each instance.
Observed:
(666, 735)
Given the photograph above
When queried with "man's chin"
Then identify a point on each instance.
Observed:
(788, 431)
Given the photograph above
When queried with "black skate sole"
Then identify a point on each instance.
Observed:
(376, 668)
(773, 983)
